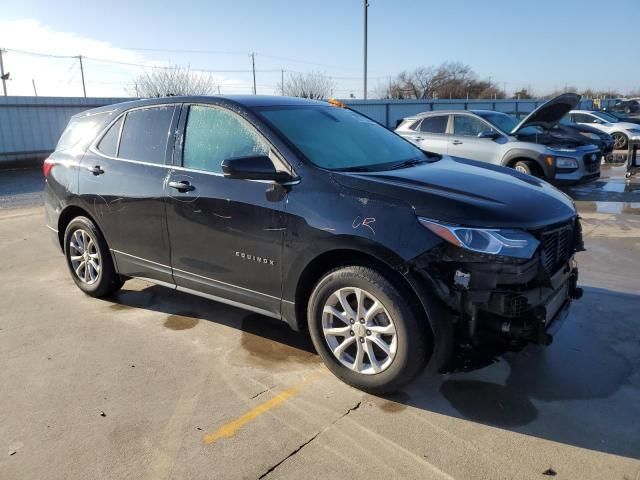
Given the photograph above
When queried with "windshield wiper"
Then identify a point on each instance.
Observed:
(353, 169)
(407, 163)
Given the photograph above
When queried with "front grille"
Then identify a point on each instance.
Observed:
(557, 247)
(592, 158)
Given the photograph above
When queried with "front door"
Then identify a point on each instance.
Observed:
(226, 234)
(122, 183)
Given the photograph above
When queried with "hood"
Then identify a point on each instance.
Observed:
(626, 125)
(549, 113)
(466, 192)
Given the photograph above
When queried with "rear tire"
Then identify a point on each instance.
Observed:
(89, 259)
(620, 141)
(387, 343)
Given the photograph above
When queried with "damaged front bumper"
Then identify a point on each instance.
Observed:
(505, 302)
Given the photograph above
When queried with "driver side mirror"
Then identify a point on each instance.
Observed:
(490, 134)
(258, 167)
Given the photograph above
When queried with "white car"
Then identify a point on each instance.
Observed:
(621, 131)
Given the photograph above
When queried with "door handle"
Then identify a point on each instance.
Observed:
(418, 138)
(97, 170)
(182, 186)
(457, 142)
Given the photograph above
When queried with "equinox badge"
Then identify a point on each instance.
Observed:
(255, 258)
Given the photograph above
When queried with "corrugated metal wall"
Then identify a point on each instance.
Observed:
(30, 126)
(389, 112)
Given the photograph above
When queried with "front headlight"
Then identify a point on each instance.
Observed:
(493, 241)
(566, 162)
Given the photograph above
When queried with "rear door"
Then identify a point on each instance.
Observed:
(431, 134)
(122, 182)
(465, 142)
(226, 234)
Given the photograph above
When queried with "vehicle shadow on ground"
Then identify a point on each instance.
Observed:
(582, 391)
(263, 338)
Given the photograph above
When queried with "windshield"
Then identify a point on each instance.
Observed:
(606, 117)
(502, 121)
(340, 139)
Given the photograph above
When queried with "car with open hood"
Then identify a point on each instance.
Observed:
(620, 129)
(390, 257)
(623, 105)
(533, 145)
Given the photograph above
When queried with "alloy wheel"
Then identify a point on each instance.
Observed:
(618, 141)
(359, 331)
(84, 256)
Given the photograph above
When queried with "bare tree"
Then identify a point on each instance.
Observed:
(522, 94)
(312, 85)
(449, 80)
(161, 82)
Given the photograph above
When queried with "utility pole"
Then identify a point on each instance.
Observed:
(84, 88)
(282, 81)
(253, 68)
(366, 6)
(33, 82)
(4, 80)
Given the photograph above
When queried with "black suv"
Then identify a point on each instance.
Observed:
(311, 213)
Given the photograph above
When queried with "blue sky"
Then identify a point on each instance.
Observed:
(543, 44)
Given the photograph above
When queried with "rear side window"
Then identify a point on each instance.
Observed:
(469, 126)
(437, 124)
(214, 134)
(582, 118)
(145, 134)
(80, 131)
(109, 143)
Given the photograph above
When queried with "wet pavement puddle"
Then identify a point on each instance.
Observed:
(271, 344)
(181, 321)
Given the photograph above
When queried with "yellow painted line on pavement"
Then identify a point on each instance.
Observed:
(228, 430)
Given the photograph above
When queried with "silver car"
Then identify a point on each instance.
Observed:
(620, 130)
(529, 146)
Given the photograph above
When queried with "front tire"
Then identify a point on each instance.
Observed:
(89, 259)
(367, 331)
(523, 166)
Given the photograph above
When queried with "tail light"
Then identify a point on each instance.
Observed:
(47, 166)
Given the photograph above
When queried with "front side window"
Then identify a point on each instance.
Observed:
(436, 124)
(606, 117)
(468, 126)
(340, 139)
(145, 134)
(502, 121)
(109, 143)
(214, 134)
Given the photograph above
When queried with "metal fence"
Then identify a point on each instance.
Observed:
(30, 126)
(390, 112)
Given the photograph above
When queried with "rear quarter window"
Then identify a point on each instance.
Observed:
(109, 143)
